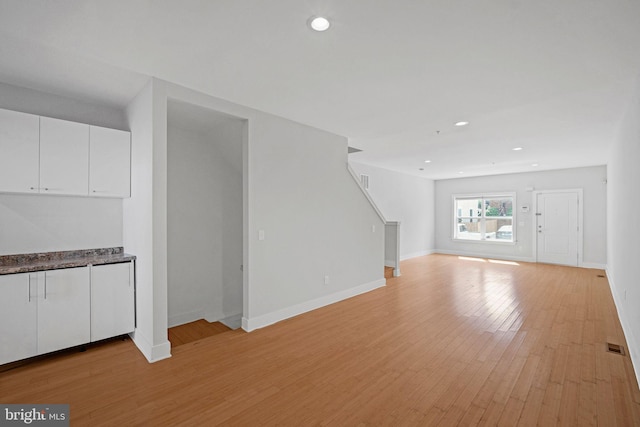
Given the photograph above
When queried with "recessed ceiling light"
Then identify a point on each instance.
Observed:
(319, 23)
(460, 172)
(517, 149)
(534, 165)
(427, 161)
(461, 123)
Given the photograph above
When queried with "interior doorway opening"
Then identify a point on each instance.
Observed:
(204, 215)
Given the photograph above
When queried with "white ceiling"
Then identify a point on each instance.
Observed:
(551, 76)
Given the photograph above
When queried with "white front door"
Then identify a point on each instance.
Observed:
(557, 227)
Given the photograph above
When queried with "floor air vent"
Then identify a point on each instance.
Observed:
(600, 275)
(615, 348)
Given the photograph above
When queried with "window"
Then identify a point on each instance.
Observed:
(488, 218)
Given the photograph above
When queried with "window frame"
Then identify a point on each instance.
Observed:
(482, 218)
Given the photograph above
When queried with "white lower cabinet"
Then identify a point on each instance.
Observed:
(112, 300)
(18, 327)
(51, 310)
(63, 309)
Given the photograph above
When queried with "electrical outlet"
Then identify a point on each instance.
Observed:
(373, 228)
(326, 280)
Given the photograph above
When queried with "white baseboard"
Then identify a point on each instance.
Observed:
(511, 258)
(153, 353)
(251, 324)
(632, 342)
(484, 255)
(416, 254)
(231, 322)
(182, 318)
(594, 265)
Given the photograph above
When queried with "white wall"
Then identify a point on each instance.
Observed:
(407, 199)
(296, 188)
(590, 179)
(623, 269)
(204, 223)
(41, 223)
(59, 107)
(316, 222)
(58, 223)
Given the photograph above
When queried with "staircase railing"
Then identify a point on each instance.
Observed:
(391, 230)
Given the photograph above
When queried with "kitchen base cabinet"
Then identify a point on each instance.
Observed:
(51, 310)
(63, 309)
(18, 335)
(112, 300)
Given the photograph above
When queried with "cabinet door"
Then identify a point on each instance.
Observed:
(112, 300)
(64, 157)
(109, 162)
(18, 316)
(19, 142)
(63, 309)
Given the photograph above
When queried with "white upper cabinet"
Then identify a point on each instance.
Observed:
(109, 162)
(64, 157)
(19, 151)
(52, 156)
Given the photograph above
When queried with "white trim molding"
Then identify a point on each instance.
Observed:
(153, 353)
(595, 265)
(632, 342)
(251, 324)
(485, 255)
(231, 322)
(416, 254)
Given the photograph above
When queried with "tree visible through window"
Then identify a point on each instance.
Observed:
(484, 217)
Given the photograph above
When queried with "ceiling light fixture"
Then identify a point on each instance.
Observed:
(461, 123)
(319, 23)
(517, 149)
(427, 161)
(534, 165)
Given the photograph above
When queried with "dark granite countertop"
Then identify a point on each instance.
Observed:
(27, 263)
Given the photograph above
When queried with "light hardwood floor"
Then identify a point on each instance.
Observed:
(194, 331)
(452, 341)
